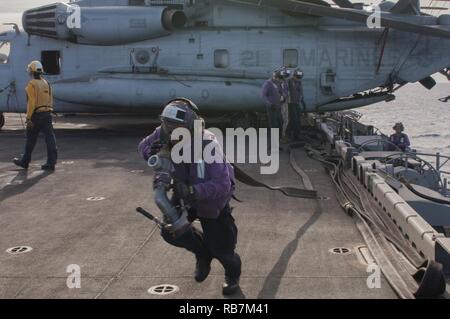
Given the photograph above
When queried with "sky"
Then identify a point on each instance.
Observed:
(11, 10)
(21, 5)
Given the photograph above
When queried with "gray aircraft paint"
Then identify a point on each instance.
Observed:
(100, 78)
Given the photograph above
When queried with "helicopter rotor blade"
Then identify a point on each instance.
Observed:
(386, 19)
(406, 7)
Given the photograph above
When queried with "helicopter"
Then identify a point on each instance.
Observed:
(131, 56)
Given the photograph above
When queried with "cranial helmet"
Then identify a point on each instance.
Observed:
(277, 74)
(35, 67)
(179, 112)
(298, 73)
(285, 73)
(399, 125)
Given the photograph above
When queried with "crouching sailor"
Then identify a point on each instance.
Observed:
(205, 188)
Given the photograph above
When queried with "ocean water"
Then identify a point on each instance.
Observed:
(426, 119)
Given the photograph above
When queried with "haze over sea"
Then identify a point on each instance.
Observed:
(426, 119)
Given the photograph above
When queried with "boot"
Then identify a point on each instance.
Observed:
(202, 269)
(19, 163)
(230, 286)
(47, 167)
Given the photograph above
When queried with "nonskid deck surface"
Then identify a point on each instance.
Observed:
(284, 242)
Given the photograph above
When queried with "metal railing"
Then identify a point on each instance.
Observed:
(439, 162)
(436, 168)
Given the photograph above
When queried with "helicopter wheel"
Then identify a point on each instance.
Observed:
(2, 120)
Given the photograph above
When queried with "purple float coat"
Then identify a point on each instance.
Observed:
(401, 140)
(271, 93)
(213, 182)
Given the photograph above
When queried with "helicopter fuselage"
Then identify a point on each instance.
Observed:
(220, 59)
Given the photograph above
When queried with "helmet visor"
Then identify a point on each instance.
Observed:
(173, 117)
(298, 74)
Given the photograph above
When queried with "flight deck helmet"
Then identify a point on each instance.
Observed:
(398, 125)
(35, 67)
(298, 73)
(179, 112)
(285, 73)
(277, 74)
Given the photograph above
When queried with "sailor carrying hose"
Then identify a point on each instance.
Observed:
(202, 189)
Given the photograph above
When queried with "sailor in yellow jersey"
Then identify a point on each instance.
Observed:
(39, 109)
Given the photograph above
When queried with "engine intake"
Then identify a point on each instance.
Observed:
(102, 25)
(173, 19)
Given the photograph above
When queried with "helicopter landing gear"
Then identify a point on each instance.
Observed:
(2, 120)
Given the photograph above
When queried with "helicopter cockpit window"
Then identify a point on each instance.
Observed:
(4, 52)
(290, 58)
(51, 61)
(221, 59)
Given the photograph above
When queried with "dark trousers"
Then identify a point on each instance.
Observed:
(42, 122)
(274, 120)
(293, 129)
(218, 240)
(274, 116)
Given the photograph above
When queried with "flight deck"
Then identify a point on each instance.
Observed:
(84, 214)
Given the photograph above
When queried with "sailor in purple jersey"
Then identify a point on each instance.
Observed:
(296, 103)
(399, 138)
(284, 86)
(208, 188)
(271, 95)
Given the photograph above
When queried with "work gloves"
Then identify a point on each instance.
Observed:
(155, 148)
(185, 192)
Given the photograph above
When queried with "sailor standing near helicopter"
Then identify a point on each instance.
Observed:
(271, 95)
(39, 118)
(284, 99)
(296, 103)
